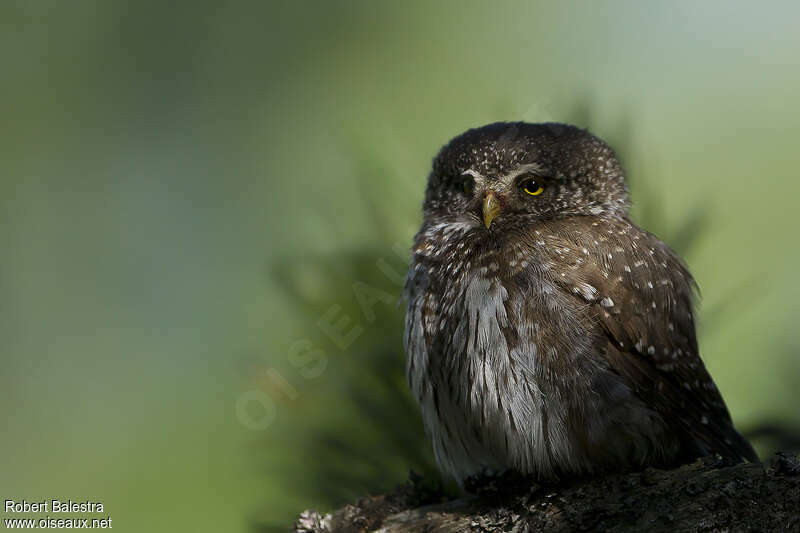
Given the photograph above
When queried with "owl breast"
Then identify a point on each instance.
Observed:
(505, 366)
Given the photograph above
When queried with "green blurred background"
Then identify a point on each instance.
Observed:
(186, 189)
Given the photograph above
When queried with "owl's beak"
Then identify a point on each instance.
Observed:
(491, 208)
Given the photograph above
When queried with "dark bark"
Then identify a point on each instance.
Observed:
(703, 496)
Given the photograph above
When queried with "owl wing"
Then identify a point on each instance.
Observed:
(641, 296)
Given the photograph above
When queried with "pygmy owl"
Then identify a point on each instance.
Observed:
(545, 332)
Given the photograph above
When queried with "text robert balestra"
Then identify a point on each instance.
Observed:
(52, 506)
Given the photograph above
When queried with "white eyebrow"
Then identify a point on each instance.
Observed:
(474, 174)
(522, 169)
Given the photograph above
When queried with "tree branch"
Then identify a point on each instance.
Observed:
(703, 496)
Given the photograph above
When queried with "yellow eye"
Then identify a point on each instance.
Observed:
(467, 185)
(532, 187)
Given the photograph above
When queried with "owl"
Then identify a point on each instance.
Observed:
(545, 332)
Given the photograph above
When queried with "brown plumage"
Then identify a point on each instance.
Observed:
(546, 333)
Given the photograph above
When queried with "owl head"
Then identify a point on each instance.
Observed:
(510, 172)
